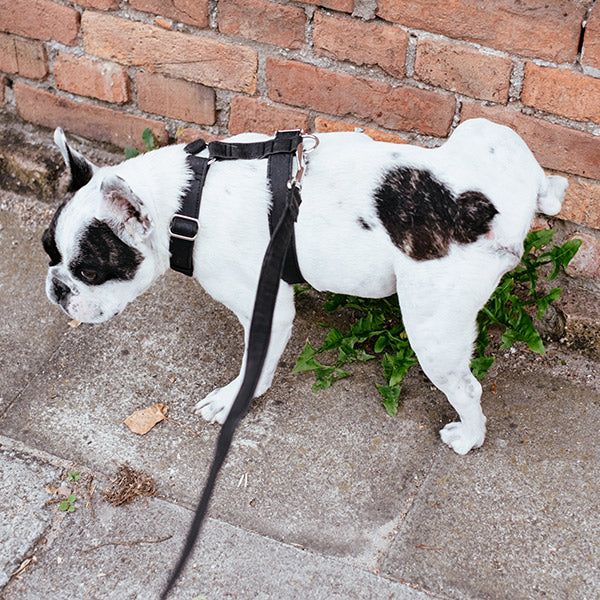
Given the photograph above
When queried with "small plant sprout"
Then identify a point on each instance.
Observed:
(149, 140)
(378, 332)
(68, 504)
(73, 475)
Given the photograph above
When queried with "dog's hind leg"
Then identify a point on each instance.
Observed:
(440, 315)
(216, 406)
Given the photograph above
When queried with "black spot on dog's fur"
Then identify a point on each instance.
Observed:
(423, 217)
(364, 224)
(104, 253)
(49, 238)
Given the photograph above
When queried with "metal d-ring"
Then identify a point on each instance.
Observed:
(312, 137)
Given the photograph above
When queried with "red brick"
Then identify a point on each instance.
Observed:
(83, 118)
(555, 147)
(341, 5)
(185, 135)
(582, 203)
(39, 19)
(535, 28)
(23, 57)
(193, 12)
(380, 44)
(591, 40)
(86, 77)
(331, 125)
(180, 55)
(176, 98)
(99, 4)
(463, 69)
(586, 262)
(252, 114)
(263, 21)
(402, 108)
(562, 92)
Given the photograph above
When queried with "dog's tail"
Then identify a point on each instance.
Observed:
(551, 194)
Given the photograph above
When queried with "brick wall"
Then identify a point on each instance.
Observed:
(405, 71)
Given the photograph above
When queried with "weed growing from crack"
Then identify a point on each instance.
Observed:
(377, 332)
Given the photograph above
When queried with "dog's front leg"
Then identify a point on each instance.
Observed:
(216, 406)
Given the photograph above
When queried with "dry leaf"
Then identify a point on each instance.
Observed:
(74, 323)
(143, 420)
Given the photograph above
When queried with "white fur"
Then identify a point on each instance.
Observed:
(439, 298)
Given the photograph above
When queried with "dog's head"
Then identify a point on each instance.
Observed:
(99, 242)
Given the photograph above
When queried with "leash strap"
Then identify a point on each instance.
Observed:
(258, 345)
(185, 225)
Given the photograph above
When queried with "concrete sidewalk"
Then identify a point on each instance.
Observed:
(341, 500)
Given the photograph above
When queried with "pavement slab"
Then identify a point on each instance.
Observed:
(24, 513)
(330, 472)
(123, 554)
(518, 518)
(29, 332)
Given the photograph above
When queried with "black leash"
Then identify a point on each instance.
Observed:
(262, 315)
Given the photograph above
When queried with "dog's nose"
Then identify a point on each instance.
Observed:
(60, 289)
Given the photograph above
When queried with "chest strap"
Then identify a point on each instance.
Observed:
(280, 154)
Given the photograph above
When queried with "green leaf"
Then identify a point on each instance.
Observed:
(306, 361)
(481, 365)
(390, 395)
(380, 344)
(545, 301)
(64, 505)
(74, 475)
(149, 139)
(131, 153)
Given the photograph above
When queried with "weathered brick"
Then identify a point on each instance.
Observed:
(39, 19)
(99, 4)
(176, 98)
(402, 108)
(87, 77)
(562, 92)
(2, 88)
(330, 125)
(586, 262)
(263, 21)
(463, 69)
(185, 135)
(23, 57)
(591, 40)
(180, 55)
(380, 44)
(252, 114)
(193, 12)
(530, 27)
(341, 5)
(582, 203)
(83, 118)
(555, 147)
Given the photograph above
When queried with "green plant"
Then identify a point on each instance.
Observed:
(378, 332)
(73, 475)
(150, 143)
(68, 504)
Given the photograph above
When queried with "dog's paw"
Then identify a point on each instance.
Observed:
(215, 407)
(462, 438)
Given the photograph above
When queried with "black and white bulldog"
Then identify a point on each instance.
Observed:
(438, 226)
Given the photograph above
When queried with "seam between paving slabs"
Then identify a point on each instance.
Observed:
(44, 542)
(33, 376)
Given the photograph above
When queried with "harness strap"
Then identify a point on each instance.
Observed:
(282, 143)
(184, 225)
(258, 345)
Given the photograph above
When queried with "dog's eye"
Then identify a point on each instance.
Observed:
(88, 275)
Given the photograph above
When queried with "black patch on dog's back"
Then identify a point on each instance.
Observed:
(49, 239)
(422, 216)
(104, 253)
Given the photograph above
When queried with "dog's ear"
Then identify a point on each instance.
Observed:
(126, 208)
(80, 167)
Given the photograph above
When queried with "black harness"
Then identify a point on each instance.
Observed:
(279, 262)
(185, 225)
